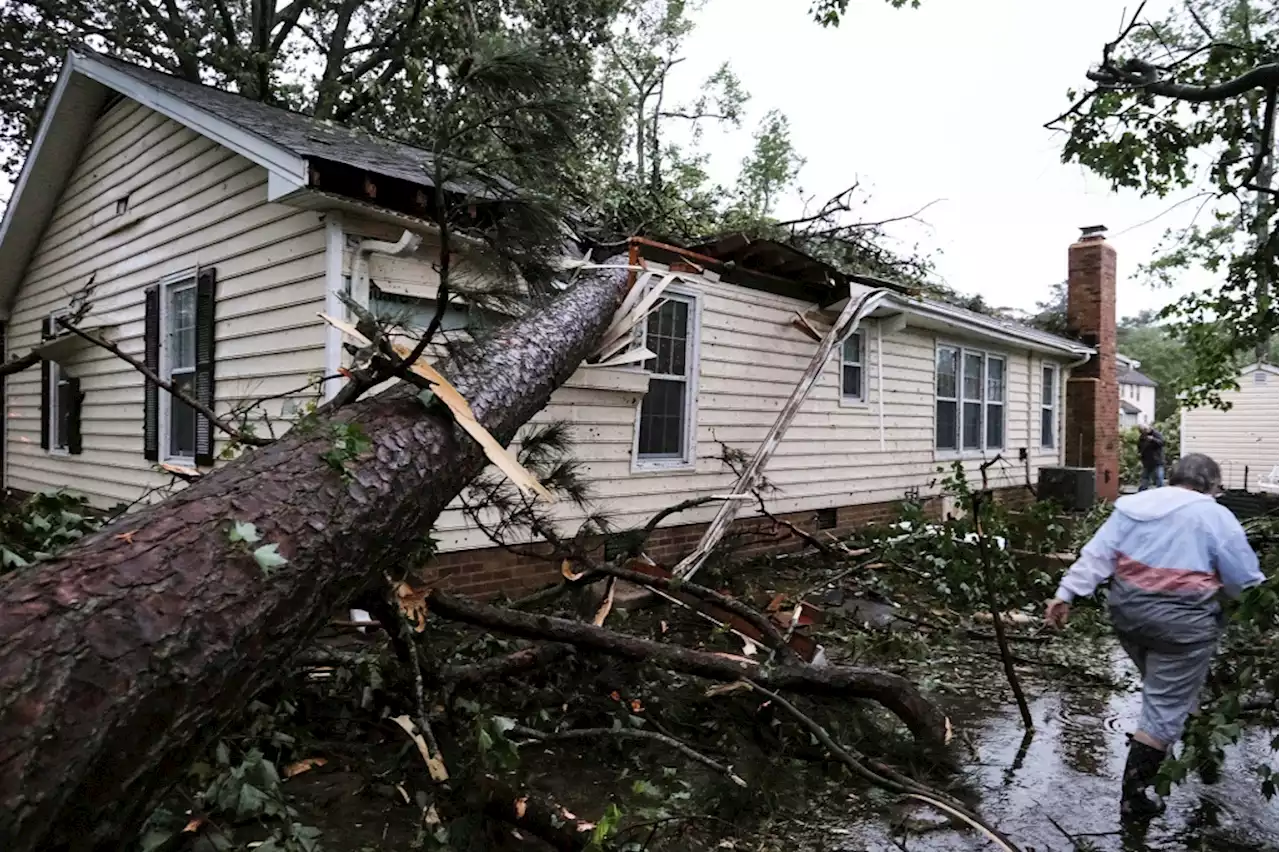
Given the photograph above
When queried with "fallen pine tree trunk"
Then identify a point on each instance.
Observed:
(120, 657)
(896, 693)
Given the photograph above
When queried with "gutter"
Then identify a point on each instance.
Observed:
(970, 321)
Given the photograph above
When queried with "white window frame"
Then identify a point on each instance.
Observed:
(688, 461)
(849, 400)
(186, 279)
(56, 378)
(1052, 407)
(959, 400)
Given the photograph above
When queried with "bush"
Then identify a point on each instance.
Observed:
(42, 525)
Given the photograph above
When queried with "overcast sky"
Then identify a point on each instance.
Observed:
(946, 104)
(947, 101)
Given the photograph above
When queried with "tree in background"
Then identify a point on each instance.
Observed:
(1188, 103)
(771, 168)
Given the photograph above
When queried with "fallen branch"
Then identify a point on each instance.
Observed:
(883, 776)
(896, 693)
(500, 667)
(624, 733)
(530, 812)
(204, 410)
(989, 580)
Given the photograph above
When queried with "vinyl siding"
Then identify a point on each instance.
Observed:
(191, 203)
(1246, 436)
(750, 360)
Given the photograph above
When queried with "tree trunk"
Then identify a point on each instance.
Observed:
(122, 655)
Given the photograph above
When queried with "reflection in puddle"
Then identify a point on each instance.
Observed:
(1069, 771)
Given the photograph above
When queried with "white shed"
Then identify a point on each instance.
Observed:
(1245, 440)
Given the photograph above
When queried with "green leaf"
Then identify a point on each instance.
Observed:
(9, 559)
(251, 801)
(244, 531)
(268, 558)
(642, 787)
(222, 754)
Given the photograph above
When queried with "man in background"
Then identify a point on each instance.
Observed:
(1151, 454)
(1171, 554)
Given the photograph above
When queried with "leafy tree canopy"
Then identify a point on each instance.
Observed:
(1187, 105)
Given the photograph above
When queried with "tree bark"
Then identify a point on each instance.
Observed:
(121, 656)
(896, 693)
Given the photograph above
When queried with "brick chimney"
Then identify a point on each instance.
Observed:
(1093, 396)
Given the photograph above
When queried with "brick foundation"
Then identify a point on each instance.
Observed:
(490, 571)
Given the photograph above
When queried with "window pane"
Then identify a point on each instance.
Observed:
(62, 411)
(995, 380)
(667, 335)
(182, 328)
(1046, 427)
(972, 376)
(995, 426)
(972, 426)
(947, 372)
(182, 418)
(662, 420)
(1047, 394)
(851, 376)
(853, 349)
(946, 425)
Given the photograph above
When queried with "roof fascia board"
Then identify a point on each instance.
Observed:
(16, 213)
(289, 169)
(989, 329)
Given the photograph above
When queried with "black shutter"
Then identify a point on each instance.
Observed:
(72, 413)
(151, 391)
(206, 299)
(46, 327)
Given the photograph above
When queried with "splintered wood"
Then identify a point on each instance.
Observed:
(501, 457)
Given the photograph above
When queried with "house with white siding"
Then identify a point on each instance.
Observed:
(215, 229)
(1137, 393)
(1244, 439)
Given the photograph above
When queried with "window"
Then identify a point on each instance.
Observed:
(664, 434)
(852, 372)
(415, 312)
(969, 400)
(179, 360)
(59, 398)
(1048, 405)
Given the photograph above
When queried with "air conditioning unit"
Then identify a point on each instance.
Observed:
(1073, 488)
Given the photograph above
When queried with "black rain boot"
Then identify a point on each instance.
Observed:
(1140, 772)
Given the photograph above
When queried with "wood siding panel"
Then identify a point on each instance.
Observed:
(1248, 435)
(195, 204)
(751, 358)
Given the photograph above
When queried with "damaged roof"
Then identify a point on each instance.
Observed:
(780, 260)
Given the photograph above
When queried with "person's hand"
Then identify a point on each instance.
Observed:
(1056, 614)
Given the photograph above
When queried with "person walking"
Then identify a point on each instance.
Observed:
(1171, 554)
(1151, 455)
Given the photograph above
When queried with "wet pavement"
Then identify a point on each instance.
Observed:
(1069, 772)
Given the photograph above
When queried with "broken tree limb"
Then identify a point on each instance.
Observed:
(204, 410)
(120, 656)
(631, 734)
(884, 776)
(844, 326)
(897, 694)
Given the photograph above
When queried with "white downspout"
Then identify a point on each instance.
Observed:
(1066, 372)
(407, 244)
(334, 244)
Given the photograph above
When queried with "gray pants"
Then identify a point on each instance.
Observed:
(1171, 684)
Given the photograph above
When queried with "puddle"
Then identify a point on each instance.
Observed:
(1069, 770)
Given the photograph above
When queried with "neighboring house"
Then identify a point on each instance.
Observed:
(1137, 394)
(1245, 440)
(216, 228)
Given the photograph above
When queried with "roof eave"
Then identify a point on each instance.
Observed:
(45, 172)
(1037, 342)
(59, 141)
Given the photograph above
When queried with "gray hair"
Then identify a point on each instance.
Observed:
(1197, 472)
